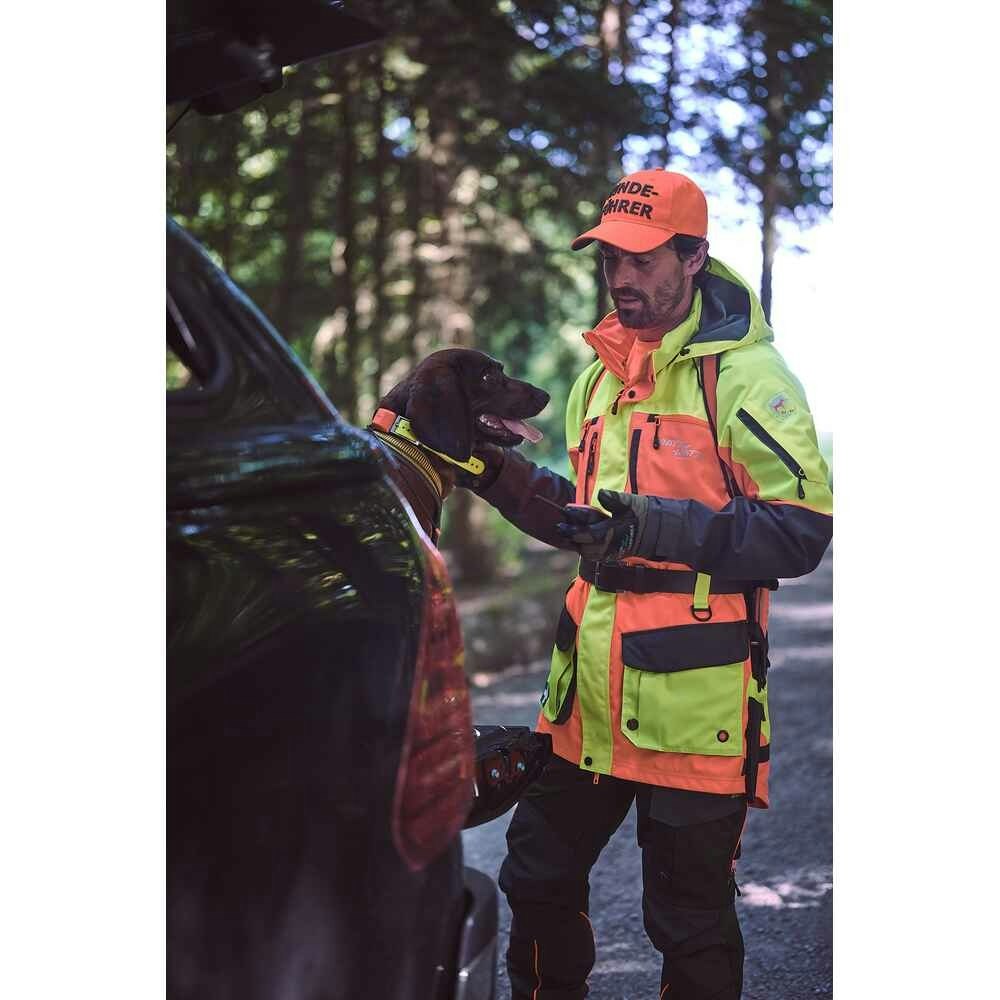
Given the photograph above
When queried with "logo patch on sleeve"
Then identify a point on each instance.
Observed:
(781, 406)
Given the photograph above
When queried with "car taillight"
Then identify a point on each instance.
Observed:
(434, 785)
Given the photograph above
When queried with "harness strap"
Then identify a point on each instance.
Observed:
(707, 368)
(593, 390)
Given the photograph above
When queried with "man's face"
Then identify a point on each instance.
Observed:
(650, 289)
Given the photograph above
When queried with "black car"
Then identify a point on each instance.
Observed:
(321, 759)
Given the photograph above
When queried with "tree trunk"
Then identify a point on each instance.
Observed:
(770, 187)
(669, 79)
(768, 245)
(346, 225)
(414, 211)
(379, 318)
(474, 556)
(228, 166)
(610, 30)
(299, 183)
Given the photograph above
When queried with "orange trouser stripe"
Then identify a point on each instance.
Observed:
(538, 976)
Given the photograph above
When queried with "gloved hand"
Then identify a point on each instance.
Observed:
(596, 536)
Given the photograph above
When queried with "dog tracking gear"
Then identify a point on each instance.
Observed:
(415, 457)
(492, 457)
(392, 423)
(669, 686)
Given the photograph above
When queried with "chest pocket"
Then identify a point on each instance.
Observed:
(673, 455)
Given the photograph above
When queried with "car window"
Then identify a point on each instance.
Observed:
(179, 375)
(190, 365)
(226, 363)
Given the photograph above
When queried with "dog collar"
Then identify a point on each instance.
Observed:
(392, 423)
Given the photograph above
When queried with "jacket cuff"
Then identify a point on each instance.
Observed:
(504, 484)
(664, 530)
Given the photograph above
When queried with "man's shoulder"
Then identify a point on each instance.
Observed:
(752, 361)
(585, 381)
(754, 369)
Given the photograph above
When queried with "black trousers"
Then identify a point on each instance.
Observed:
(689, 841)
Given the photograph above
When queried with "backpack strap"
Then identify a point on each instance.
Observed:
(593, 390)
(707, 367)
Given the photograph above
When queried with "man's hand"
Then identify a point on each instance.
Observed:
(596, 536)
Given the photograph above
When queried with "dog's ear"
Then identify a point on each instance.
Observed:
(440, 414)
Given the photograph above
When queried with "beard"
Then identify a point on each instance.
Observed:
(643, 314)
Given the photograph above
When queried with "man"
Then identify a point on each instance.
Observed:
(692, 434)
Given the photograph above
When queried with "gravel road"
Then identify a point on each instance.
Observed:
(785, 874)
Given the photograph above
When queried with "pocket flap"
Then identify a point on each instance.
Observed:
(565, 631)
(686, 647)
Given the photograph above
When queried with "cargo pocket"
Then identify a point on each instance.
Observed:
(682, 688)
(560, 687)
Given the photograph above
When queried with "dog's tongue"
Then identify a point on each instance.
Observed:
(529, 433)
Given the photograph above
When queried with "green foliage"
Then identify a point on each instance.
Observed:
(780, 72)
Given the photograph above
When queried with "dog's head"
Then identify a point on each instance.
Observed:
(456, 399)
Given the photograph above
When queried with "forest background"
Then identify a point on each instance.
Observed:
(423, 193)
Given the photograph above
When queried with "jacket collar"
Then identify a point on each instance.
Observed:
(613, 342)
(725, 313)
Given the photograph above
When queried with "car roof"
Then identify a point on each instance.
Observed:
(222, 54)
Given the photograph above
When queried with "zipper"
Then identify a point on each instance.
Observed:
(633, 459)
(590, 460)
(656, 430)
(614, 405)
(758, 432)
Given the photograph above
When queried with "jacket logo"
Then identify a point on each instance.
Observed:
(781, 406)
(681, 449)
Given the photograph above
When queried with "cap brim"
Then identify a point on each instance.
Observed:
(631, 237)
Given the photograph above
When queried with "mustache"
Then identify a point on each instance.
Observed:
(633, 293)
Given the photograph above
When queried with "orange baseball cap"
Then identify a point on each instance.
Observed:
(646, 209)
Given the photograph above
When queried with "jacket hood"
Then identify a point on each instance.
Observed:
(725, 314)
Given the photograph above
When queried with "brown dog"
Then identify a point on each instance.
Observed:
(456, 400)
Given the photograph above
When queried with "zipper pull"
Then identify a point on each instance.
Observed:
(590, 454)
(656, 433)
(800, 475)
(614, 405)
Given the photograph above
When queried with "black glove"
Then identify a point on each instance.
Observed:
(596, 536)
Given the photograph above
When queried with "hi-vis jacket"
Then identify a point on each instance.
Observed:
(670, 688)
